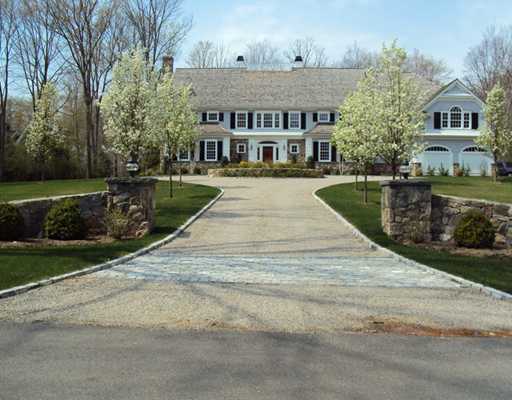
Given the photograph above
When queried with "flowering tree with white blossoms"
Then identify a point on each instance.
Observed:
(126, 107)
(174, 122)
(399, 108)
(43, 134)
(496, 136)
(356, 134)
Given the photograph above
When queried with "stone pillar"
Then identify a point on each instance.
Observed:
(406, 208)
(416, 169)
(136, 198)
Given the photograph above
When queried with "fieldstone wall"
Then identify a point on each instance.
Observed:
(92, 209)
(447, 210)
(406, 210)
(136, 198)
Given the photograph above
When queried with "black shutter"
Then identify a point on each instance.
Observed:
(474, 120)
(333, 153)
(219, 150)
(233, 120)
(201, 150)
(315, 151)
(302, 120)
(249, 120)
(277, 153)
(332, 117)
(205, 117)
(285, 120)
(437, 120)
(315, 117)
(221, 116)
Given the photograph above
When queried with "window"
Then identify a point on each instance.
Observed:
(294, 149)
(294, 120)
(466, 120)
(268, 120)
(184, 155)
(324, 116)
(437, 149)
(213, 116)
(324, 150)
(455, 117)
(241, 120)
(241, 148)
(474, 149)
(445, 120)
(211, 150)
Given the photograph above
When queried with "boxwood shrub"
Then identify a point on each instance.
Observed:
(64, 222)
(474, 230)
(11, 222)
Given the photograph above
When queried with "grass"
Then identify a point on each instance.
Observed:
(23, 265)
(31, 190)
(473, 187)
(493, 271)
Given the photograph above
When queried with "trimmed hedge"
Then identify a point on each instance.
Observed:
(11, 222)
(64, 222)
(474, 230)
(267, 172)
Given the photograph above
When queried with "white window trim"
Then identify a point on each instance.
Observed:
(206, 150)
(463, 112)
(208, 116)
(261, 112)
(238, 148)
(324, 112)
(294, 145)
(320, 152)
(246, 119)
(290, 119)
(184, 159)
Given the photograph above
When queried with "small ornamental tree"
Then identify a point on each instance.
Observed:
(126, 107)
(174, 122)
(399, 108)
(356, 134)
(43, 134)
(496, 136)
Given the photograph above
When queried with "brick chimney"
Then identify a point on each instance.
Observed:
(168, 62)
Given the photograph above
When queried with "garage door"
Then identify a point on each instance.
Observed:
(437, 157)
(477, 159)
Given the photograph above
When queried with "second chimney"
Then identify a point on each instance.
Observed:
(168, 63)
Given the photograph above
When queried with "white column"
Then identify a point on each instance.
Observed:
(309, 147)
(226, 150)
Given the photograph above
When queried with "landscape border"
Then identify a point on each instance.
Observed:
(112, 263)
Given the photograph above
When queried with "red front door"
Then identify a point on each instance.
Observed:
(268, 154)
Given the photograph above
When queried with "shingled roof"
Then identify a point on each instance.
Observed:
(321, 129)
(306, 89)
(213, 128)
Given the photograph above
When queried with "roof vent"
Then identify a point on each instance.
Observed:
(298, 63)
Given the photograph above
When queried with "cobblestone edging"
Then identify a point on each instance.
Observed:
(495, 293)
(109, 264)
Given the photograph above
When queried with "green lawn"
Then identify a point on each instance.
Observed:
(473, 187)
(30, 190)
(19, 266)
(492, 271)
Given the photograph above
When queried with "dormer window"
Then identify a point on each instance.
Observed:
(212, 116)
(323, 116)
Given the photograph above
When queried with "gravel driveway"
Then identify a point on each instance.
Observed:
(266, 256)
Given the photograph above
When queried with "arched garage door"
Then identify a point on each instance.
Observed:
(437, 157)
(477, 159)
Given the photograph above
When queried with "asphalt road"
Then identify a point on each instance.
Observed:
(41, 361)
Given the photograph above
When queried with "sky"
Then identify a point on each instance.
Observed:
(444, 29)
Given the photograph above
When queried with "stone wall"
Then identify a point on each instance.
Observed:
(406, 210)
(135, 197)
(447, 210)
(92, 209)
(409, 212)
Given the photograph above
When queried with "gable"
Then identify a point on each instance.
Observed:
(454, 93)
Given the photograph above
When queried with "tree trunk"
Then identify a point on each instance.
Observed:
(355, 186)
(365, 191)
(3, 140)
(170, 176)
(89, 126)
(181, 180)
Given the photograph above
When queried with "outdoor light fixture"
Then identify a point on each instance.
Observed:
(132, 167)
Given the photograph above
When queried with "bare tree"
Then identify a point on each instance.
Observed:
(312, 54)
(263, 55)
(358, 57)
(85, 26)
(490, 62)
(158, 26)
(8, 27)
(428, 67)
(37, 47)
(206, 54)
